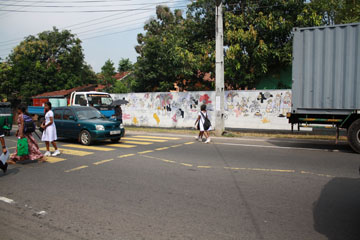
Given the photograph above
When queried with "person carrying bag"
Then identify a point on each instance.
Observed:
(203, 124)
(25, 139)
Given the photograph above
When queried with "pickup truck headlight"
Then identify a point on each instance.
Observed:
(121, 125)
(100, 127)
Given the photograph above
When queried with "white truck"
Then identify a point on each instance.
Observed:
(99, 100)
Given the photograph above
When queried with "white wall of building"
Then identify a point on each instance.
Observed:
(258, 109)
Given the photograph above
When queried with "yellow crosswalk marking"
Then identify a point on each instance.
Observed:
(103, 161)
(54, 159)
(189, 143)
(155, 137)
(160, 149)
(143, 139)
(120, 145)
(77, 168)
(71, 152)
(137, 142)
(89, 147)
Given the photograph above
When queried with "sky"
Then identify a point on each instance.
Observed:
(107, 28)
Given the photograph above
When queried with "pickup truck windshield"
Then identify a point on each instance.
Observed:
(99, 99)
(89, 114)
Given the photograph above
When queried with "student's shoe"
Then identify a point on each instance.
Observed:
(47, 154)
(207, 140)
(4, 167)
(56, 153)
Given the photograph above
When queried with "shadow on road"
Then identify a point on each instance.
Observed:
(337, 211)
(10, 171)
(312, 144)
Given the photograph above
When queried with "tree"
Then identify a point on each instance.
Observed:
(259, 39)
(337, 11)
(52, 60)
(257, 34)
(125, 65)
(166, 54)
(108, 73)
(120, 87)
(107, 77)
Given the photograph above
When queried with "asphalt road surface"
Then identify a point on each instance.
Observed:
(153, 186)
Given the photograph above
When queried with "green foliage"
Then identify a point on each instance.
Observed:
(120, 87)
(169, 53)
(52, 60)
(258, 41)
(107, 73)
(125, 65)
(337, 11)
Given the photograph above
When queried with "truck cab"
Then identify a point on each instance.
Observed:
(99, 100)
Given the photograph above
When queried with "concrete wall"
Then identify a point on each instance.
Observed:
(260, 109)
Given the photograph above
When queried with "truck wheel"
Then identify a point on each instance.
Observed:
(354, 136)
(85, 137)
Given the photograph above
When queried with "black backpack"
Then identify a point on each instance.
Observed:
(29, 125)
(207, 123)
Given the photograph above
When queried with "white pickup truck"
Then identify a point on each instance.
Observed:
(99, 100)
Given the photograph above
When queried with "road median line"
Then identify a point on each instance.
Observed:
(103, 161)
(76, 169)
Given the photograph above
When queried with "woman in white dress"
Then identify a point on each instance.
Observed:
(200, 122)
(49, 133)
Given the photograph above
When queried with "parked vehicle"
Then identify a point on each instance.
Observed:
(99, 100)
(6, 117)
(86, 124)
(326, 79)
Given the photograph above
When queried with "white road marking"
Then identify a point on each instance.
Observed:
(275, 147)
(7, 200)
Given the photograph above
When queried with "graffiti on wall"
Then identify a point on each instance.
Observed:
(243, 109)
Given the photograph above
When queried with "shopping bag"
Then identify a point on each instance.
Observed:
(22, 147)
(4, 157)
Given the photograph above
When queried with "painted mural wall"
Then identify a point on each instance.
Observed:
(259, 109)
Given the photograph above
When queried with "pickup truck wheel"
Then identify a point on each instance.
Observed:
(115, 140)
(354, 136)
(85, 137)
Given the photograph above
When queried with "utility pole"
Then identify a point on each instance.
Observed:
(219, 72)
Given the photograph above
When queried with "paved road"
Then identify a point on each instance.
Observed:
(171, 187)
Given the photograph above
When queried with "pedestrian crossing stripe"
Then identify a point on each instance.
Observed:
(120, 145)
(89, 147)
(54, 159)
(71, 152)
(143, 139)
(137, 142)
(155, 137)
(160, 149)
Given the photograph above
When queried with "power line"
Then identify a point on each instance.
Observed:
(85, 1)
(10, 42)
(91, 31)
(74, 6)
(77, 11)
(128, 30)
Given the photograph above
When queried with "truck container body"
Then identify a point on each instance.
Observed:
(326, 69)
(326, 79)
